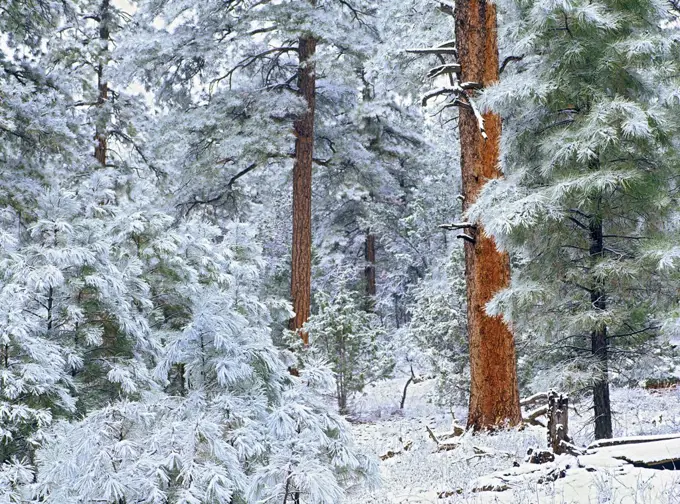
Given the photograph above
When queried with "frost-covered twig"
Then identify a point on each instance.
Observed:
(446, 68)
(458, 225)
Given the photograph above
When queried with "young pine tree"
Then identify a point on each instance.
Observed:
(589, 100)
(351, 339)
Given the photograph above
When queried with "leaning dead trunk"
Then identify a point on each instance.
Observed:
(494, 395)
(301, 266)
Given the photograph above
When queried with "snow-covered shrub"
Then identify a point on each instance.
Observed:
(438, 325)
(227, 423)
(351, 339)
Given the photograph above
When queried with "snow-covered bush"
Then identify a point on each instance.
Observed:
(351, 339)
(438, 325)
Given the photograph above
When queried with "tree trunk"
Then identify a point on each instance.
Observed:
(100, 149)
(558, 422)
(369, 270)
(494, 394)
(301, 266)
(598, 337)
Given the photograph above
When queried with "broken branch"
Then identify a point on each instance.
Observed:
(466, 237)
(458, 225)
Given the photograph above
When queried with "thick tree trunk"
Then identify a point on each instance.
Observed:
(598, 337)
(100, 149)
(369, 270)
(494, 395)
(301, 266)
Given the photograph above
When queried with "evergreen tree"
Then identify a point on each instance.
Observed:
(351, 339)
(589, 96)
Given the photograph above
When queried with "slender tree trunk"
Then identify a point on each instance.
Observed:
(369, 270)
(494, 394)
(100, 149)
(101, 126)
(301, 267)
(598, 337)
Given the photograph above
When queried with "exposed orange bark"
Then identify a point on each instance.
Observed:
(301, 266)
(494, 395)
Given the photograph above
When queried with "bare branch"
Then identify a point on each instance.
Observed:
(458, 225)
(508, 60)
(446, 68)
(433, 50)
(466, 237)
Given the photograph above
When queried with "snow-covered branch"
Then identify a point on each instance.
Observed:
(457, 225)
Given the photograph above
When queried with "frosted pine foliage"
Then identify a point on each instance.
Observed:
(232, 421)
(589, 138)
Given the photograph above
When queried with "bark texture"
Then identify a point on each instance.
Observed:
(301, 266)
(558, 422)
(100, 149)
(494, 395)
(369, 270)
(598, 337)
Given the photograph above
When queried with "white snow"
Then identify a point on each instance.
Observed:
(421, 474)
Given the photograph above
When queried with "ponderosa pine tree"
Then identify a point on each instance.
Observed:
(36, 149)
(301, 249)
(494, 393)
(351, 339)
(590, 103)
(67, 270)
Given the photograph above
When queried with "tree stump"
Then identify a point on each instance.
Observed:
(558, 424)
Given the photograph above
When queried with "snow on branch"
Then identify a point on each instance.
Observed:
(457, 225)
(478, 116)
(540, 397)
(454, 89)
(459, 90)
(446, 6)
(532, 416)
(447, 68)
(433, 50)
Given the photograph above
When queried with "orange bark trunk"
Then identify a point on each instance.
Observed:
(301, 266)
(494, 395)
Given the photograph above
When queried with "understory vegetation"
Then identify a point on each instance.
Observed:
(313, 252)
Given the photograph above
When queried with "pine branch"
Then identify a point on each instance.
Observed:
(508, 60)
(458, 225)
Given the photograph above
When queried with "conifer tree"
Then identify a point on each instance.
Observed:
(589, 96)
(301, 250)
(494, 393)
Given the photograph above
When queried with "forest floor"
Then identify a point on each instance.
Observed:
(414, 471)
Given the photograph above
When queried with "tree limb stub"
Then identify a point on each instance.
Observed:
(432, 50)
(458, 225)
(466, 237)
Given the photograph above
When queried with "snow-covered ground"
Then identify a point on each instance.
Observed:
(413, 471)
